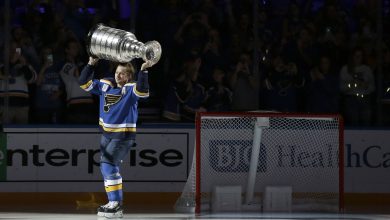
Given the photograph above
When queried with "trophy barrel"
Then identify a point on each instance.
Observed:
(120, 46)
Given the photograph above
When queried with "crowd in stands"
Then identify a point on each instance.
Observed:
(305, 56)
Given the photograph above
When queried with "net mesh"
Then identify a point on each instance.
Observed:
(298, 152)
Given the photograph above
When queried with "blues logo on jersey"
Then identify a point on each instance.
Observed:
(109, 100)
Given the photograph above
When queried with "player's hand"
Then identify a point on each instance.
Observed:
(93, 61)
(146, 65)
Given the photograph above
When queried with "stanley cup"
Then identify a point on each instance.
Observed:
(120, 46)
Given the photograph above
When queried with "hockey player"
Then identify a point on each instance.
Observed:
(117, 119)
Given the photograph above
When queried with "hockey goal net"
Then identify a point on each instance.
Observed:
(265, 162)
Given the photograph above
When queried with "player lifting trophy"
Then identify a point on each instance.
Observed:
(118, 97)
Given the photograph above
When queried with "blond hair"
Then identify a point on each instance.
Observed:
(129, 69)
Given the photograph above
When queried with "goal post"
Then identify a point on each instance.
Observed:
(272, 161)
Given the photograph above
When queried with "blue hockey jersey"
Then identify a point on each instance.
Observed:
(118, 111)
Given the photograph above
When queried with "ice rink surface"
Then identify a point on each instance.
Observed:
(164, 211)
(174, 216)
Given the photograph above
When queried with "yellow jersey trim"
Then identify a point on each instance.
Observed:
(116, 129)
(113, 188)
(140, 94)
(86, 85)
(107, 82)
(129, 84)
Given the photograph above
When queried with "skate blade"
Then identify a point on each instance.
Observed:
(111, 215)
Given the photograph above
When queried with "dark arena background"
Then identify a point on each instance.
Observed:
(257, 109)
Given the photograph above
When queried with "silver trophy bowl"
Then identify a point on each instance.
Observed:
(120, 46)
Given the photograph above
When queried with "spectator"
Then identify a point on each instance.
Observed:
(323, 88)
(213, 11)
(366, 39)
(24, 41)
(244, 31)
(281, 86)
(192, 35)
(330, 17)
(293, 22)
(80, 104)
(234, 50)
(244, 85)
(213, 55)
(357, 85)
(334, 44)
(62, 35)
(21, 74)
(218, 96)
(171, 16)
(75, 19)
(185, 96)
(49, 103)
(302, 51)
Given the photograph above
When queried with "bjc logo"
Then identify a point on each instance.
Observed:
(234, 156)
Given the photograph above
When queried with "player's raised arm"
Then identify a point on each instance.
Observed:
(86, 75)
(142, 87)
